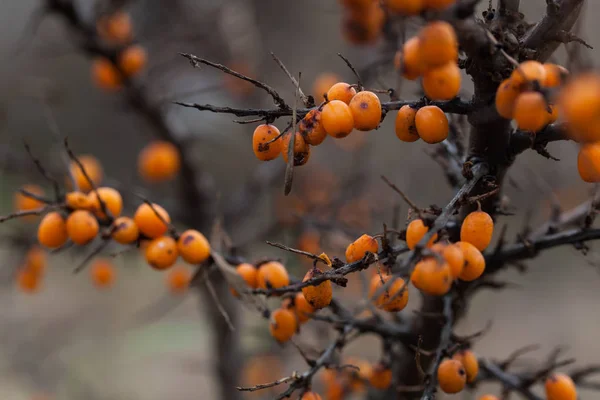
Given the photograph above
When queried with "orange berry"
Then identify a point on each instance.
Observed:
(312, 129)
(82, 227)
(132, 60)
(283, 325)
(405, 7)
(453, 255)
(35, 259)
(149, 223)
(159, 161)
(363, 26)
(161, 253)
(438, 44)
(438, 4)
(451, 376)
(318, 296)
(432, 277)
(28, 281)
(470, 363)
(301, 149)
(432, 124)
(474, 262)
(112, 201)
(337, 119)
(115, 28)
(555, 75)
(527, 73)
(105, 75)
(335, 390)
(103, 273)
(588, 162)
(408, 60)
(26, 203)
(531, 111)
(263, 150)
(560, 387)
(52, 231)
(125, 230)
(302, 308)
(406, 129)
(443, 82)
(310, 396)
(553, 114)
(489, 397)
(477, 229)
(381, 376)
(579, 103)
(193, 246)
(395, 296)
(341, 91)
(359, 248)
(356, 378)
(77, 201)
(415, 232)
(93, 169)
(249, 275)
(272, 275)
(506, 97)
(178, 279)
(322, 84)
(366, 111)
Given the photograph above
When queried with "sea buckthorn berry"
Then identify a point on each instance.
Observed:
(93, 169)
(415, 232)
(470, 363)
(363, 26)
(394, 298)
(443, 82)
(310, 396)
(408, 60)
(82, 227)
(112, 201)
(432, 277)
(366, 111)
(77, 201)
(149, 223)
(193, 246)
(178, 280)
(302, 308)
(357, 378)
(588, 162)
(359, 248)
(115, 28)
(404, 7)
(52, 231)
(337, 119)
(555, 75)
(432, 124)
(125, 230)
(438, 4)
(132, 60)
(301, 149)
(438, 44)
(335, 390)
(579, 103)
(263, 150)
(311, 128)
(161, 253)
(560, 387)
(406, 129)
(474, 262)
(506, 97)
(477, 229)
(105, 75)
(451, 376)
(35, 259)
(453, 255)
(341, 91)
(159, 161)
(322, 84)
(102, 273)
(318, 296)
(283, 325)
(249, 275)
(381, 376)
(531, 111)
(528, 72)
(28, 281)
(26, 203)
(272, 275)
(553, 114)
(489, 397)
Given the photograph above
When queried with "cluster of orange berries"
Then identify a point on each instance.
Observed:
(116, 30)
(519, 96)
(454, 373)
(344, 111)
(340, 383)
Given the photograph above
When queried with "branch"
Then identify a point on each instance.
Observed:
(490, 370)
(522, 140)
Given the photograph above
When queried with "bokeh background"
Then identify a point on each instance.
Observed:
(137, 341)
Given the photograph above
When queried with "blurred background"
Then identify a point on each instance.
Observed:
(137, 340)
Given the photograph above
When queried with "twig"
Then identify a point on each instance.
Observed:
(296, 84)
(267, 385)
(213, 294)
(408, 201)
(354, 71)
